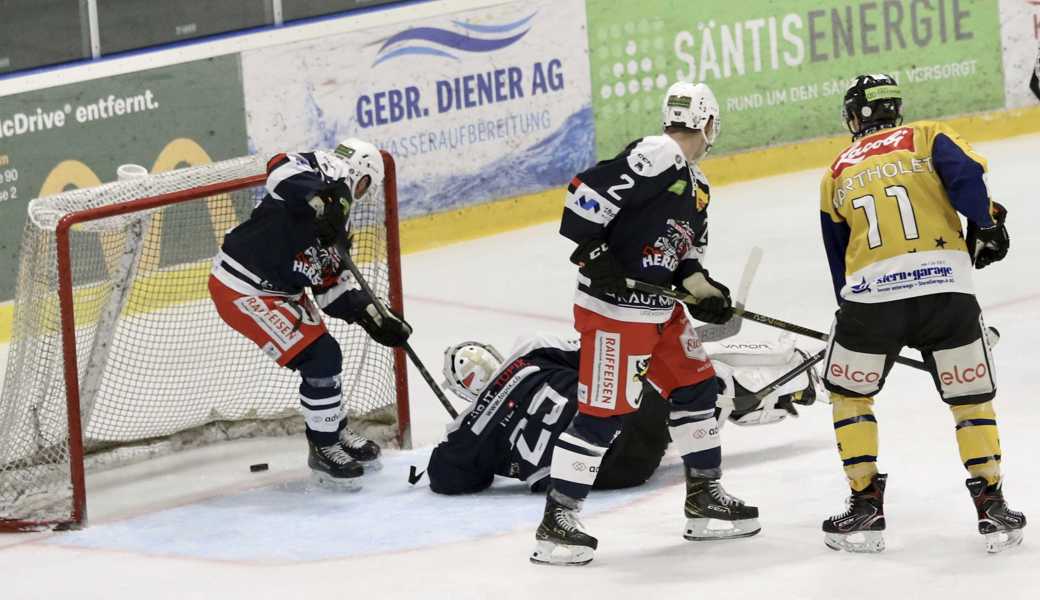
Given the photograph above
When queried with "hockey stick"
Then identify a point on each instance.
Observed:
(713, 333)
(798, 369)
(437, 391)
(642, 286)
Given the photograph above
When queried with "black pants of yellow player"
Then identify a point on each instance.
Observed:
(948, 330)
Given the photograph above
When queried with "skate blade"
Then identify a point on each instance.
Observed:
(338, 484)
(863, 542)
(702, 529)
(548, 553)
(1002, 540)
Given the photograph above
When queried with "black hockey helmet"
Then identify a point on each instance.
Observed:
(872, 102)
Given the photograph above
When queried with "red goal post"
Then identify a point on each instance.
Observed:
(118, 355)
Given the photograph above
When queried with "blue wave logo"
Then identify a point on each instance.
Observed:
(445, 43)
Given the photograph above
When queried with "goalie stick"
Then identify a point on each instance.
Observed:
(797, 370)
(714, 333)
(437, 391)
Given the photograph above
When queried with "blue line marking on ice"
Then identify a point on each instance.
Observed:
(298, 521)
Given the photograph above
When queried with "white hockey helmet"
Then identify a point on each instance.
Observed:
(351, 162)
(692, 105)
(468, 368)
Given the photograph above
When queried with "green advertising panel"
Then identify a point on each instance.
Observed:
(780, 68)
(76, 135)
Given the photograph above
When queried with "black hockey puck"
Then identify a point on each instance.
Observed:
(258, 467)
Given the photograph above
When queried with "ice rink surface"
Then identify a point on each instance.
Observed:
(199, 525)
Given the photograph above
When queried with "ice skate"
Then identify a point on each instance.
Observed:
(332, 467)
(561, 539)
(1001, 526)
(860, 527)
(361, 449)
(713, 514)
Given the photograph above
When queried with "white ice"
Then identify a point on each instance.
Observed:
(199, 525)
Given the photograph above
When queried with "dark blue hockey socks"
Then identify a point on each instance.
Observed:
(579, 452)
(695, 430)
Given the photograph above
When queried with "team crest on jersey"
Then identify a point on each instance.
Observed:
(669, 248)
(875, 145)
(319, 265)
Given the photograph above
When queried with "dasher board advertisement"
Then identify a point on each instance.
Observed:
(475, 105)
(76, 135)
(780, 69)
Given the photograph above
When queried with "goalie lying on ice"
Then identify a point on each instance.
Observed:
(519, 406)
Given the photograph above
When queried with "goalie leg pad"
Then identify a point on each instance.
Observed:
(319, 366)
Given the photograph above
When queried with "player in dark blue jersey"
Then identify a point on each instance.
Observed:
(294, 240)
(642, 215)
(519, 406)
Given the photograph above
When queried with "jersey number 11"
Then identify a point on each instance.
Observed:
(906, 215)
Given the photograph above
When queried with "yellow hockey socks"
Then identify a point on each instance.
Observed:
(978, 440)
(856, 430)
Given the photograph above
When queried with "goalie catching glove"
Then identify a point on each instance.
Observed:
(603, 269)
(989, 245)
(389, 330)
(713, 302)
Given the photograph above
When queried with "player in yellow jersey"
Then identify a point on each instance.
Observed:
(890, 212)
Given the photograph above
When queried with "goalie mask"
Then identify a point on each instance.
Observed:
(468, 368)
(693, 106)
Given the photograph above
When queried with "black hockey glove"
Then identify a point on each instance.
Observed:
(713, 302)
(595, 261)
(391, 330)
(331, 208)
(988, 245)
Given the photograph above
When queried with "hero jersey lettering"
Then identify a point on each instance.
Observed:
(650, 207)
(889, 208)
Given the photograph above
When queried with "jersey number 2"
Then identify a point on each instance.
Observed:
(906, 215)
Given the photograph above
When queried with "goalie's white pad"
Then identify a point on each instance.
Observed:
(753, 365)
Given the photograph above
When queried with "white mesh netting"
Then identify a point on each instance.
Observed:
(158, 369)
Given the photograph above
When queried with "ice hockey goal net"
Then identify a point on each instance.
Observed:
(117, 353)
